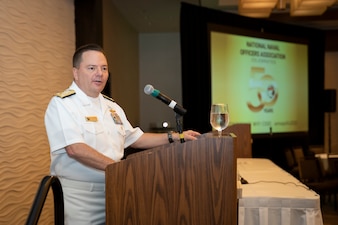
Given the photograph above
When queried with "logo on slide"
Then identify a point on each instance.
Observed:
(263, 90)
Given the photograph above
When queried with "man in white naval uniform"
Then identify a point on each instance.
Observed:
(88, 131)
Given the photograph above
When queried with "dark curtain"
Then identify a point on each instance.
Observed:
(88, 22)
(195, 72)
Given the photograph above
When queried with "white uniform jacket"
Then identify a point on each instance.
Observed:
(71, 117)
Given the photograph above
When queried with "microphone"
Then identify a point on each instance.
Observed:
(149, 90)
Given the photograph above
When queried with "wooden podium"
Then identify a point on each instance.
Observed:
(191, 183)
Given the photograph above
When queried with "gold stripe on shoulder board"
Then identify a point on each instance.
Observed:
(65, 93)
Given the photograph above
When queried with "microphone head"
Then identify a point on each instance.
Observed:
(148, 89)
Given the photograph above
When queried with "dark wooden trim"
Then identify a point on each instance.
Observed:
(88, 22)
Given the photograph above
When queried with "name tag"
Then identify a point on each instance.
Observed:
(91, 118)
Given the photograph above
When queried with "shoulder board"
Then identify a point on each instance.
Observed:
(109, 98)
(65, 93)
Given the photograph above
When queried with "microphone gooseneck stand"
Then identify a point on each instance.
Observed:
(179, 127)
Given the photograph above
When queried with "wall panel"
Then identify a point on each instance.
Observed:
(37, 40)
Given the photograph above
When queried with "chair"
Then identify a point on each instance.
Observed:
(310, 174)
(292, 164)
(333, 167)
(292, 156)
(298, 152)
(39, 201)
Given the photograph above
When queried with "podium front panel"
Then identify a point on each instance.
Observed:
(191, 183)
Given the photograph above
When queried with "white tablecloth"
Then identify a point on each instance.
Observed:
(324, 161)
(274, 197)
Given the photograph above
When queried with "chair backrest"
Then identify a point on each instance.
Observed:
(309, 170)
(298, 152)
(290, 158)
(39, 201)
(333, 167)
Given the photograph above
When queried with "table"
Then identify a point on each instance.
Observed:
(324, 162)
(274, 197)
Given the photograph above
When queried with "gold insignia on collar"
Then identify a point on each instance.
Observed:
(109, 98)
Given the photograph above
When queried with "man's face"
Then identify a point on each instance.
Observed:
(92, 74)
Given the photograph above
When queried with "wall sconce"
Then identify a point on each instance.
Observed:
(263, 8)
(260, 4)
(309, 7)
(256, 8)
(257, 12)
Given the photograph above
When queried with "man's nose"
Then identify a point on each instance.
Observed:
(99, 70)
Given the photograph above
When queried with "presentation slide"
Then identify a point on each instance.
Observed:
(264, 82)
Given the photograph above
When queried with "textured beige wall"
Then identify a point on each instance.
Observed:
(37, 40)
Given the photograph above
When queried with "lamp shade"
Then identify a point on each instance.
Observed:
(309, 7)
(263, 8)
(257, 4)
(312, 3)
(256, 8)
(256, 13)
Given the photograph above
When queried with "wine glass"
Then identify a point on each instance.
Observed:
(219, 117)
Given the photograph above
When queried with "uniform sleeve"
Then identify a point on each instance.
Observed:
(62, 125)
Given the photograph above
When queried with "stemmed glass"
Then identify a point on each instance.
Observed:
(219, 117)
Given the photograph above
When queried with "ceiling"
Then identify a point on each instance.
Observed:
(152, 16)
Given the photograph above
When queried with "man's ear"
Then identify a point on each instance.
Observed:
(75, 73)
